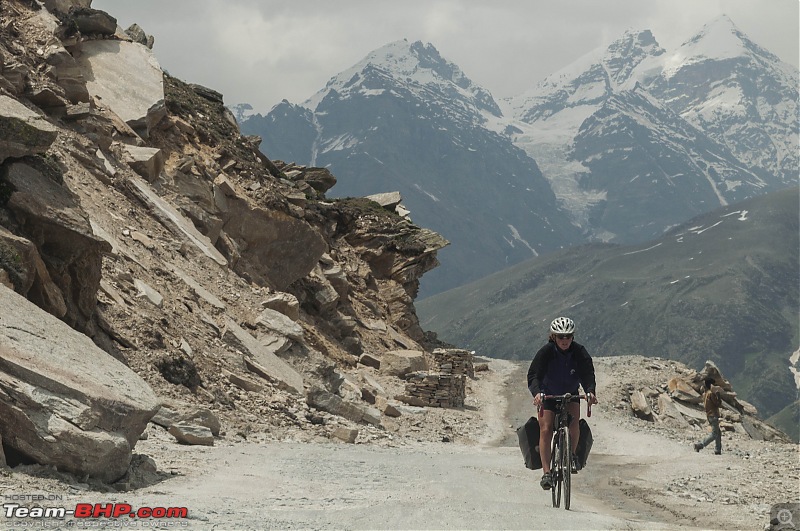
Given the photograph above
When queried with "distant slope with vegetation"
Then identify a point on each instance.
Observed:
(722, 287)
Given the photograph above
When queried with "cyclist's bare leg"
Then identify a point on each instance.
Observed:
(545, 438)
(574, 409)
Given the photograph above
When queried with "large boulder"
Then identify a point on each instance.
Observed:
(127, 78)
(323, 400)
(63, 6)
(63, 401)
(402, 362)
(22, 131)
(93, 21)
(146, 161)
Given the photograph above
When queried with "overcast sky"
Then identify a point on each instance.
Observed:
(263, 51)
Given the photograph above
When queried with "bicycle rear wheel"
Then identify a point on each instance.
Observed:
(566, 466)
(555, 473)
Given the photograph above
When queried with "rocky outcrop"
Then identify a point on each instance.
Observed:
(274, 249)
(678, 403)
(50, 216)
(134, 210)
(262, 359)
(23, 270)
(68, 74)
(63, 401)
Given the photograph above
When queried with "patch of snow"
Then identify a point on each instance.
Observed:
(418, 187)
(642, 250)
(341, 142)
(517, 237)
(717, 40)
(793, 359)
(549, 147)
(707, 228)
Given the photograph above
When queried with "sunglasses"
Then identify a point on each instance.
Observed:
(564, 336)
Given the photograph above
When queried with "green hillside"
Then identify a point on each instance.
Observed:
(722, 287)
(788, 420)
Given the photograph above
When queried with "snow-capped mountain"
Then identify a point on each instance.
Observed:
(419, 69)
(549, 117)
(621, 171)
(619, 146)
(406, 119)
(739, 94)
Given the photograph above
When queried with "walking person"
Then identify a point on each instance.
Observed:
(711, 403)
(559, 367)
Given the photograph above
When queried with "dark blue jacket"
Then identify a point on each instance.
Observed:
(555, 372)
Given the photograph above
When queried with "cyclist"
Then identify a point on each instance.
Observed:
(558, 368)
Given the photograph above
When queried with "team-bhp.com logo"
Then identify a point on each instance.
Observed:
(88, 515)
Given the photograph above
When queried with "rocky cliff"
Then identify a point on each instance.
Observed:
(165, 270)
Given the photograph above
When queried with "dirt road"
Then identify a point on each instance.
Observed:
(416, 485)
(338, 486)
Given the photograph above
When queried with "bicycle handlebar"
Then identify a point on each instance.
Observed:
(567, 397)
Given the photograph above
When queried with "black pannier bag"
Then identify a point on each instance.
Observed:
(528, 435)
(584, 443)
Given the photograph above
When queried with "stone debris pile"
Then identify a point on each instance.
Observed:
(679, 404)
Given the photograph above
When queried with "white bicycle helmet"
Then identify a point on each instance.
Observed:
(562, 325)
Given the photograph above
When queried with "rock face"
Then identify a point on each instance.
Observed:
(63, 401)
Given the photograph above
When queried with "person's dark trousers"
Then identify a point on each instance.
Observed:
(715, 435)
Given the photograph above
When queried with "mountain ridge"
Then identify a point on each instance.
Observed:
(721, 287)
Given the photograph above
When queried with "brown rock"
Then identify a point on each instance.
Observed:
(55, 222)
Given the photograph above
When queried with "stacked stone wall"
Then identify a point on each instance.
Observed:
(454, 361)
(444, 387)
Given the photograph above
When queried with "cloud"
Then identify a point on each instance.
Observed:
(262, 51)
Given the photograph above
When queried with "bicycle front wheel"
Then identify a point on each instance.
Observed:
(555, 471)
(566, 466)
